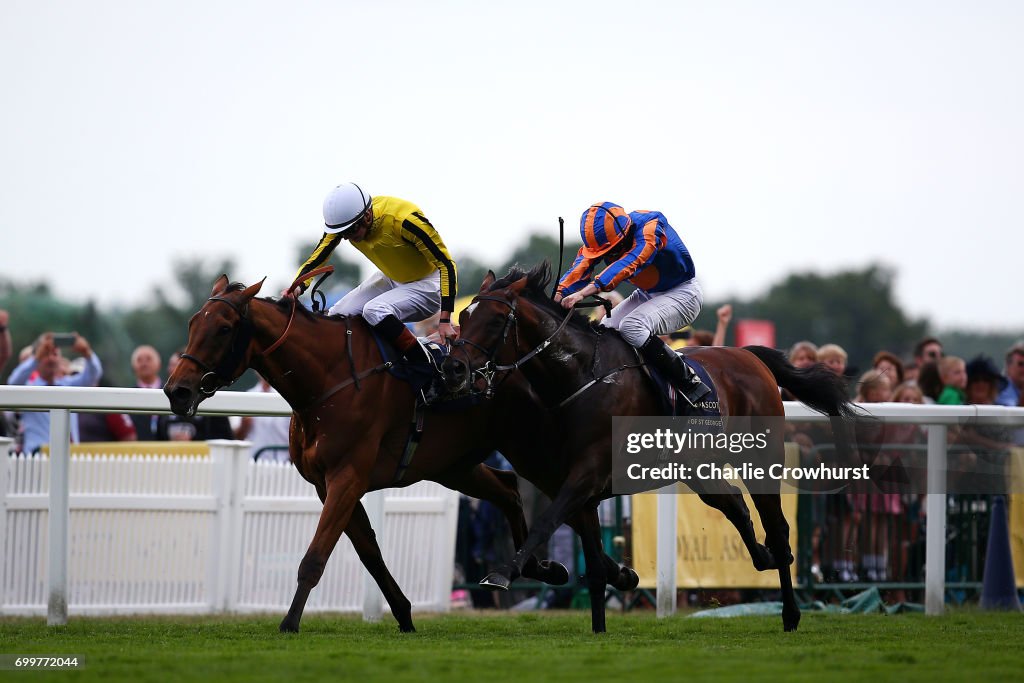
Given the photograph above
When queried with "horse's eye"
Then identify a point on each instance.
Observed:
(222, 330)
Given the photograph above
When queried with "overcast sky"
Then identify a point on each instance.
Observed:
(776, 136)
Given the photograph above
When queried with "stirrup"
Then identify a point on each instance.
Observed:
(695, 391)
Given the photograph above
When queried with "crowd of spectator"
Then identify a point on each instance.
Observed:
(67, 360)
(853, 537)
(878, 537)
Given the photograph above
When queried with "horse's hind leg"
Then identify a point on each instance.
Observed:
(769, 508)
(343, 493)
(365, 543)
(728, 499)
(501, 488)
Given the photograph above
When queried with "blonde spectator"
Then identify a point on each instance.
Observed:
(874, 387)
(908, 392)
(803, 354)
(834, 357)
(953, 373)
(877, 508)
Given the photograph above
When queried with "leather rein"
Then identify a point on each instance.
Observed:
(490, 368)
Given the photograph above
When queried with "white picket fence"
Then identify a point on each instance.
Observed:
(187, 534)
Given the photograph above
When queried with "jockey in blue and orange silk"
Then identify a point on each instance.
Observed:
(644, 249)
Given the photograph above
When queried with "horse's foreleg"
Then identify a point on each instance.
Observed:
(501, 488)
(343, 493)
(619, 576)
(594, 556)
(769, 508)
(570, 499)
(365, 543)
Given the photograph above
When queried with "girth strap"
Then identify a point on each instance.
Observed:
(354, 379)
(413, 442)
(592, 382)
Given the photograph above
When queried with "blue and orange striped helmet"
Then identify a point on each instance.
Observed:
(602, 226)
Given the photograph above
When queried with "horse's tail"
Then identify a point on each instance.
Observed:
(817, 386)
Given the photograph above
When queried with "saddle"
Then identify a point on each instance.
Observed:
(674, 404)
(425, 378)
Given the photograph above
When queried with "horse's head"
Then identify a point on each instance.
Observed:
(499, 328)
(218, 349)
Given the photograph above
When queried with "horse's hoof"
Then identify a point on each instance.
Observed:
(553, 573)
(763, 559)
(496, 581)
(288, 627)
(791, 620)
(407, 628)
(627, 580)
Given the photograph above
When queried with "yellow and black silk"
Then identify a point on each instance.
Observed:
(402, 243)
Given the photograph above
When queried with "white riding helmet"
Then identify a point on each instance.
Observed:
(345, 205)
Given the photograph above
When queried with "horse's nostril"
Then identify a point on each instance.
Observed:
(181, 395)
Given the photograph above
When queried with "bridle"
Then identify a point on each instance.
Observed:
(226, 372)
(490, 369)
(223, 374)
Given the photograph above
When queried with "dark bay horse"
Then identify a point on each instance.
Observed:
(513, 325)
(350, 425)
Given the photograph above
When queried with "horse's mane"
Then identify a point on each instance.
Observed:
(282, 304)
(537, 280)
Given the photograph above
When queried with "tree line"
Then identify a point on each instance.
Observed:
(855, 309)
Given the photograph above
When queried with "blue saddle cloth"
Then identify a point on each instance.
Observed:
(674, 404)
(425, 378)
(418, 375)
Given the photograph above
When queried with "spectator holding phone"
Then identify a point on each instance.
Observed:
(5, 339)
(45, 361)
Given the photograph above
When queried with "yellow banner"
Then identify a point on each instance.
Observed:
(198, 449)
(1015, 511)
(710, 552)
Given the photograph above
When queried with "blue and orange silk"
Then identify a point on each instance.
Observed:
(602, 226)
(656, 262)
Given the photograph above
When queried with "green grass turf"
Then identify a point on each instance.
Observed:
(963, 645)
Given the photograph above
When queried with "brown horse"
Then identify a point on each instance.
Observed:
(512, 325)
(350, 425)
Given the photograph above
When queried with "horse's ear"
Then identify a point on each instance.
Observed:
(488, 281)
(253, 290)
(518, 285)
(220, 285)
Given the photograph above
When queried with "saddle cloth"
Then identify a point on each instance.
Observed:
(674, 404)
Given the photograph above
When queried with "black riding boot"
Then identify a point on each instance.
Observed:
(658, 354)
(392, 329)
